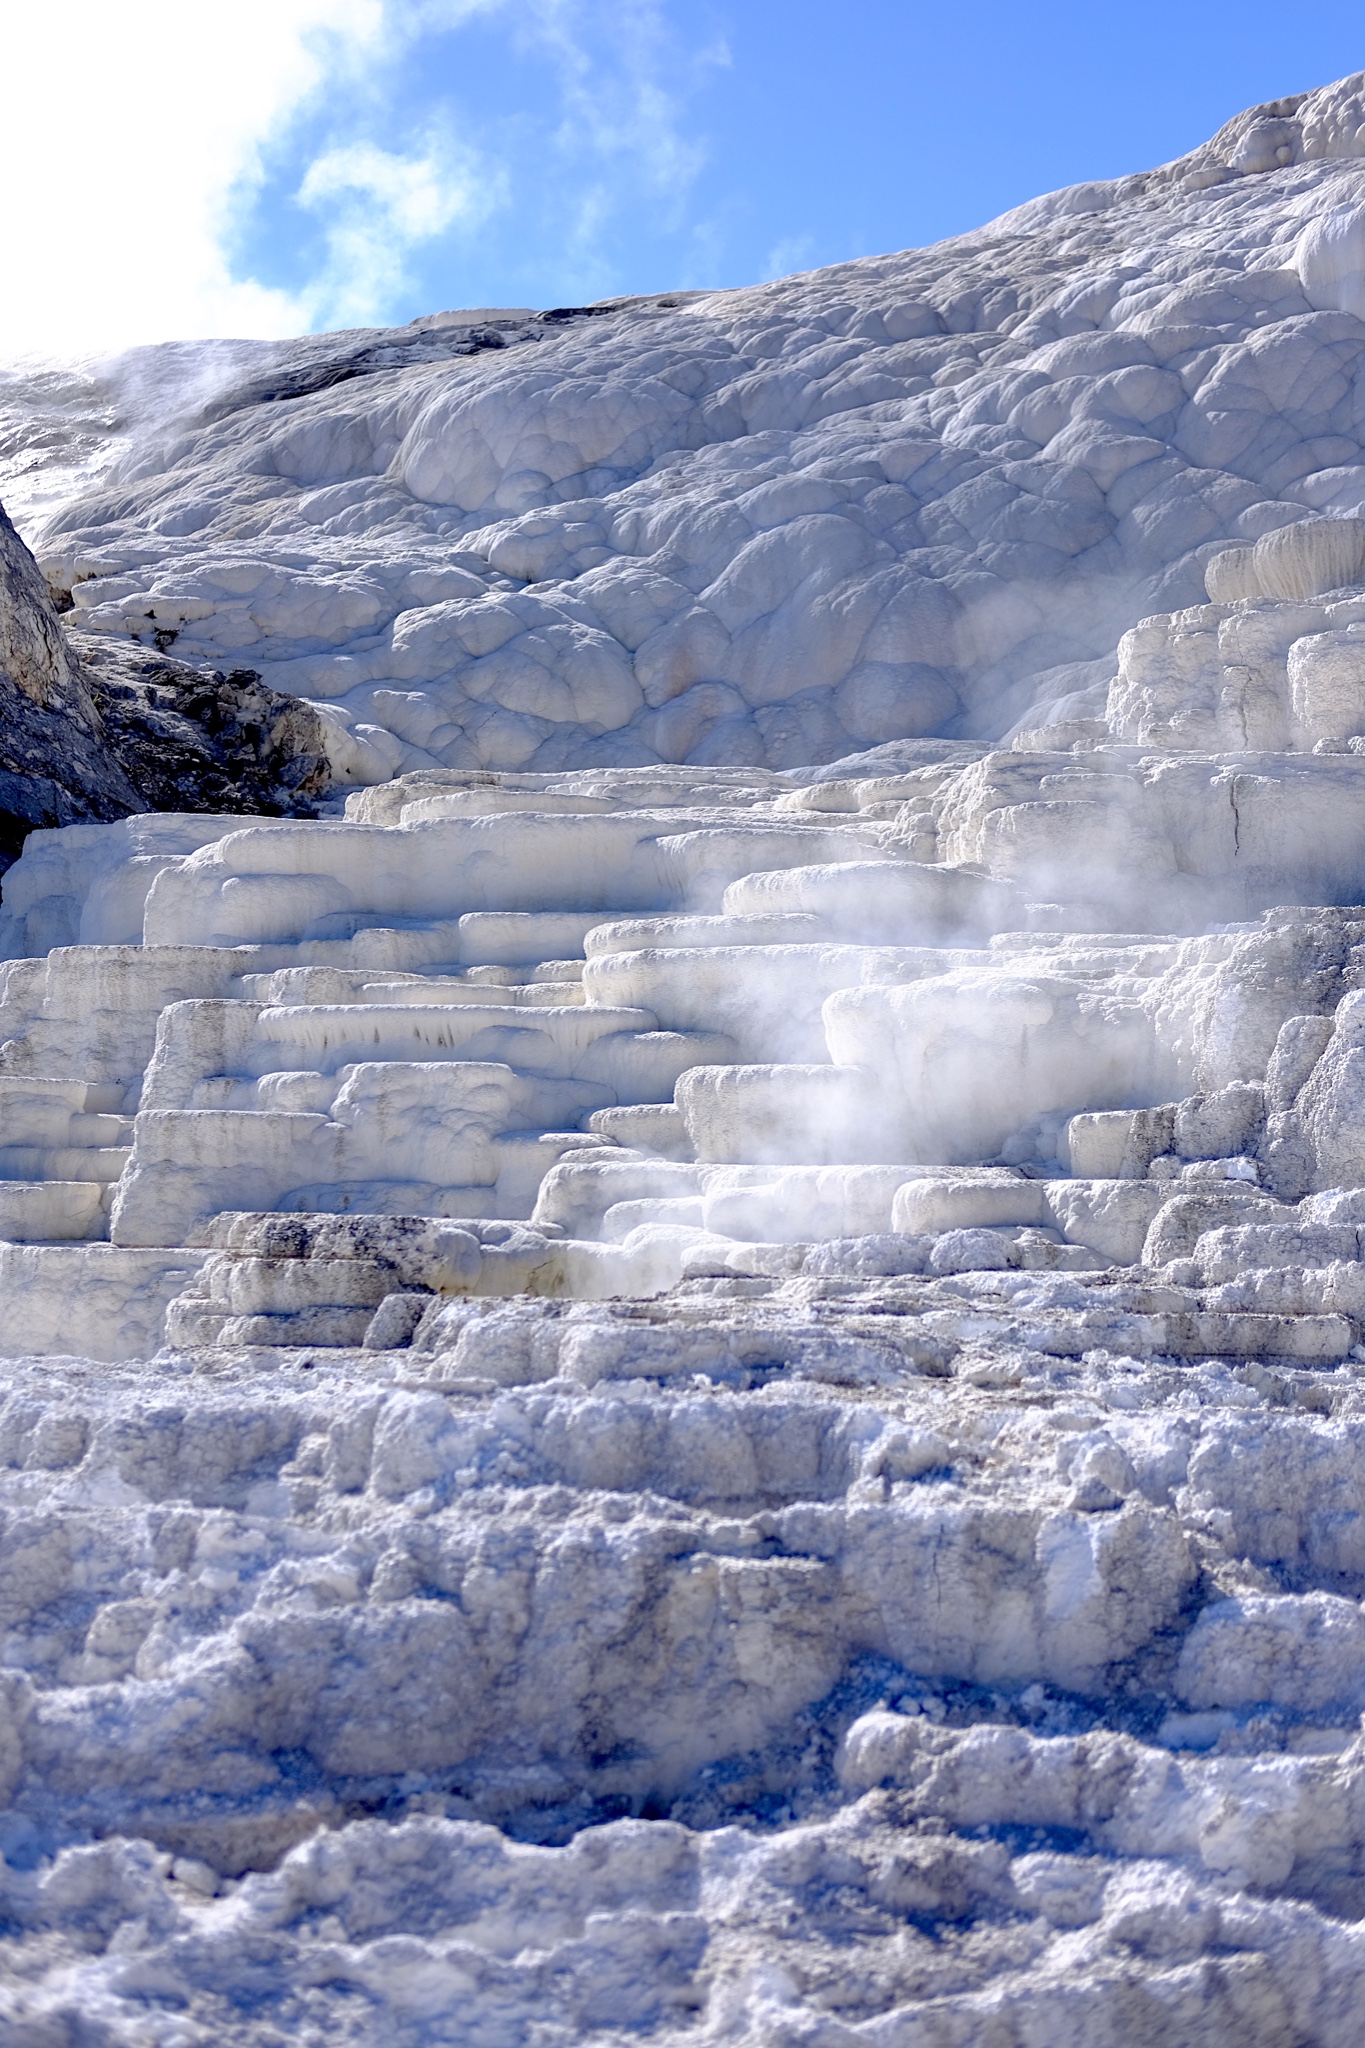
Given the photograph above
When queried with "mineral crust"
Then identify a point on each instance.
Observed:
(695, 1373)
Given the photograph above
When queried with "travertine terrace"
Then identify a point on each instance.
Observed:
(696, 1373)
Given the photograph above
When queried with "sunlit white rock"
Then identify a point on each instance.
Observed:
(761, 1365)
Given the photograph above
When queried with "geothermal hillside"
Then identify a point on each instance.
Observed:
(695, 1373)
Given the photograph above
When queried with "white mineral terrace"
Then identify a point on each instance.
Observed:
(698, 1376)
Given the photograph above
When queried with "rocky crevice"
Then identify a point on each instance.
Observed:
(90, 731)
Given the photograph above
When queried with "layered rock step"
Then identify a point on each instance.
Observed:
(656, 1013)
(784, 1066)
(89, 1300)
(437, 1114)
(62, 1147)
(406, 1285)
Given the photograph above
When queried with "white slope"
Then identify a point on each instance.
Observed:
(914, 494)
(721, 1399)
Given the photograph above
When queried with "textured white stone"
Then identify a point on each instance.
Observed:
(659, 1391)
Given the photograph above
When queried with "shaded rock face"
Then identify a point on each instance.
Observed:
(190, 741)
(55, 764)
(94, 731)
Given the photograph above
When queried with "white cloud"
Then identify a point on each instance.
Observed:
(624, 81)
(788, 256)
(379, 207)
(137, 136)
(128, 133)
(630, 105)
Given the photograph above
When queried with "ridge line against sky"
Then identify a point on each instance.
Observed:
(277, 166)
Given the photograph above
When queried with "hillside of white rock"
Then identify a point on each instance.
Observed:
(695, 1373)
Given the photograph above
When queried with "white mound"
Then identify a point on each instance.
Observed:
(696, 1376)
(910, 495)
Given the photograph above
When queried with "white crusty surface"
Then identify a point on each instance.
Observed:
(873, 1684)
(698, 1375)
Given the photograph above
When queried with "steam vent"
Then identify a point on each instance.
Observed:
(683, 1271)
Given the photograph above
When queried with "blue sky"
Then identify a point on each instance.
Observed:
(258, 166)
(608, 146)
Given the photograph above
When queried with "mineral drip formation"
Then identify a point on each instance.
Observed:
(695, 1372)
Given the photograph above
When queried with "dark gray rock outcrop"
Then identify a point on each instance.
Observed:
(94, 730)
(191, 739)
(55, 762)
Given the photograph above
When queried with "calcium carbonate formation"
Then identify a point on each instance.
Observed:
(697, 1374)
